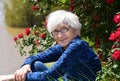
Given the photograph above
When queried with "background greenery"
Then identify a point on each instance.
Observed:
(19, 14)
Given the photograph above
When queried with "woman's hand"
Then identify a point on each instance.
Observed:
(20, 74)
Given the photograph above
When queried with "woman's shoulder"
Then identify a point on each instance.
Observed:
(79, 41)
(56, 47)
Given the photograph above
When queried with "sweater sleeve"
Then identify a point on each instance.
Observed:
(50, 55)
(63, 65)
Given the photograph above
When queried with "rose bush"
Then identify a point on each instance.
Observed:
(33, 40)
(111, 69)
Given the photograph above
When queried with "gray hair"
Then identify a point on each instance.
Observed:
(61, 16)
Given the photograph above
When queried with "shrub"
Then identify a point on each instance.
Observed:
(111, 69)
(34, 40)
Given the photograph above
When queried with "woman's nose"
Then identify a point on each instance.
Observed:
(60, 34)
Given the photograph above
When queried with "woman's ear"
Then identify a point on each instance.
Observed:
(77, 31)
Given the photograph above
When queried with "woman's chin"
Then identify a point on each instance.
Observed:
(64, 45)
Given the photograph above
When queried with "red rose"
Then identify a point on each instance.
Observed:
(100, 56)
(71, 8)
(27, 31)
(96, 18)
(114, 46)
(116, 18)
(112, 36)
(117, 33)
(36, 32)
(20, 35)
(118, 29)
(118, 40)
(35, 7)
(43, 36)
(45, 23)
(95, 25)
(15, 38)
(116, 55)
(106, 60)
(71, 5)
(37, 41)
(97, 43)
(110, 1)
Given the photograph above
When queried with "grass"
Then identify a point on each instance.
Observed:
(49, 64)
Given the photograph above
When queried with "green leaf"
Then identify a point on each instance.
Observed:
(24, 1)
(63, 1)
(115, 66)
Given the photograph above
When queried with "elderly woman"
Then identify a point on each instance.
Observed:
(74, 59)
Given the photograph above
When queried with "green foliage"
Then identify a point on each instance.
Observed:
(19, 14)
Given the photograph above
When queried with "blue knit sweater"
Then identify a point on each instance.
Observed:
(77, 61)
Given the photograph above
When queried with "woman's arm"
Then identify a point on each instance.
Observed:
(49, 55)
(46, 56)
(7, 77)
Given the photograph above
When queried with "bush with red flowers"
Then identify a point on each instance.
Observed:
(34, 40)
(111, 69)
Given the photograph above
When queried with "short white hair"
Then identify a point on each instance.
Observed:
(62, 16)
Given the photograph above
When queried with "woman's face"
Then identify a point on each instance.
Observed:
(64, 34)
